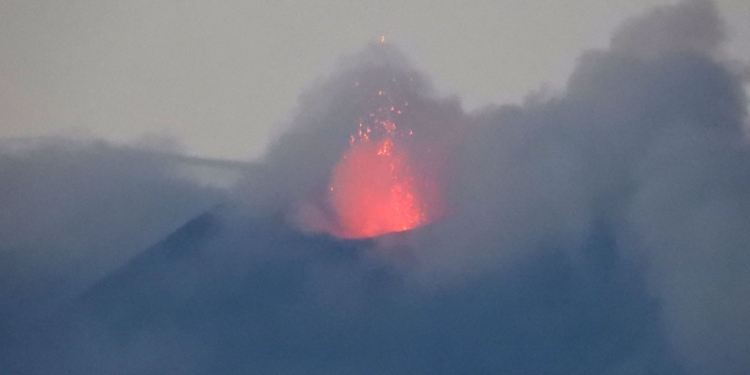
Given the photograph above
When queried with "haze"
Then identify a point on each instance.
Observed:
(214, 79)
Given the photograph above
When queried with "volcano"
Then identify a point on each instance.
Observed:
(232, 293)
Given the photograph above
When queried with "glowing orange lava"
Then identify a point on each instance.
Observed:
(374, 189)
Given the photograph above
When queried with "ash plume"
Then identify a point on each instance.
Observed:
(600, 230)
(646, 140)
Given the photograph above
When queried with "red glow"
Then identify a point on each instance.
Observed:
(374, 189)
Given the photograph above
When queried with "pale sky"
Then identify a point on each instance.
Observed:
(220, 76)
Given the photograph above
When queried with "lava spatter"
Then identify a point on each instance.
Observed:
(374, 189)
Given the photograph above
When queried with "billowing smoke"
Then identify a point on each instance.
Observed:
(646, 141)
(599, 230)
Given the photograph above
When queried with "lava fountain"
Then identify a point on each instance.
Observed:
(374, 188)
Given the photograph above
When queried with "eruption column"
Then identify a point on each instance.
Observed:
(373, 189)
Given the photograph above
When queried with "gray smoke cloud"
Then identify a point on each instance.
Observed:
(598, 230)
(647, 139)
